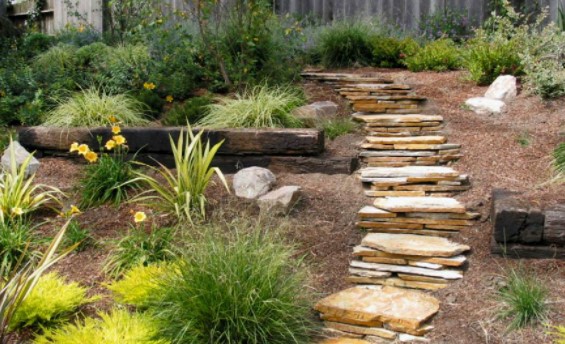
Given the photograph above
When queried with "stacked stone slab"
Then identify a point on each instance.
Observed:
(433, 216)
(412, 181)
(378, 312)
(394, 125)
(407, 260)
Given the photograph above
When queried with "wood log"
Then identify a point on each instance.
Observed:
(156, 140)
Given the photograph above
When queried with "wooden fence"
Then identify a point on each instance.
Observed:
(406, 13)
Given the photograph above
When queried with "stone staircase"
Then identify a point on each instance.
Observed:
(408, 250)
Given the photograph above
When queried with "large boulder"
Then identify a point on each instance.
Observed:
(20, 154)
(503, 88)
(280, 201)
(253, 182)
(311, 113)
(486, 106)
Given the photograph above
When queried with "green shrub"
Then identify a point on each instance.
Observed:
(243, 288)
(486, 60)
(445, 24)
(51, 299)
(17, 240)
(523, 298)
(438, 56)
(344, 44)
(139, 247)
(93, 107)
(138, 285)
(181, 193)
(153, 102)
(259, 107)
(56, 69)
(191, 111)
(92, 54)
(390, 52)
(337, 127)
(78, 237)
(117, 327)
(34, 43)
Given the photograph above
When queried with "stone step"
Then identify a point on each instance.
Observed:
(346, 77)
(364, 251)
(413, 245)
(428, 140)
(420, 204)
(389, 120)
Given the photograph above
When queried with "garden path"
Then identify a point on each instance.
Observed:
(413, 216)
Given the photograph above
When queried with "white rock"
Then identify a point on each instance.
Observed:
(486, 106)
(21, 154)
(405, 338)
(253, 182)
(503, 88)
(280, 201)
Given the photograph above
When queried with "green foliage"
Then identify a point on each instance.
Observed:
(486, 60)
(117, 327)
(19, 195)
(523, 298)
(139, 247)
(138, 285)
(524, 139)
(258, 107)
(35, 43)
(559, 160)
(56, 69)
(244, 286)
(337, 127)
(16, 237)
(191, 111)
(153, 102)
(92, 54)
(559, 334)
(440, 55)
(181, 192)
(18, 89)
(92, 108)
(51, 299)
(344, 44)
(390, 52)
(78, 237)
(445, 23)
(107, 181)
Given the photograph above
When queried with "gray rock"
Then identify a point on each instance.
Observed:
(503, 88)
(486, 106)
(21, 154)
(280, 201)
(253, 182)
(315, 111)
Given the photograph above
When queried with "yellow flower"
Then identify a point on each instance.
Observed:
(74, 147)
(81, 28)
(113, 119)
(110, 144)
(169, 98)
(116, 129)
(149, 86)
(159, 21)
(17, 211)
(83, 149)
(139, 217)
(74, 209)
(91, 156)
(119, 139)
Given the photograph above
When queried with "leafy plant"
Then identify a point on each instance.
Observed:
(559, 334)
(117, 327)
(18, 193)
(138, 285)
(438, 56)
(337, 127)
(486, 60)
(22, 280)
(243, 288)
(259, 107)
(559, 160)
(523, 298)
(92, 108)
(16, 237)
(344, 44)
(190, 111)
(524, 139)
(139, 247)
(79, 237)
(181, 192)
(446, 23)
(390, 52)
(51, 299)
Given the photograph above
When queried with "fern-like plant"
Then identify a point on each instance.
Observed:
(181, 191)
(559, 334)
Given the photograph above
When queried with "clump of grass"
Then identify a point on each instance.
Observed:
(243, 287)
(117, 327)
(440, 55)
(336, 127)
(76, 235)
(559, 161)
(258, 107)
(523, 298)
(345, 44)
(16, 239)
(93, 107)
(191, 111)
(524, 139)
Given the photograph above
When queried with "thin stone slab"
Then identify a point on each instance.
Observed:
(407, 140)
(370, 331)
(397, 153)
(409, 171)
(420, 204)
(405, 309)
(372, 212)
(364, 251)
(396, 118)
(413, 245)
(445, 274)
(344, 340)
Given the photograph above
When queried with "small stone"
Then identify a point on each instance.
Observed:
(486, 106)
(405, 338)
(253, 182)
(20, 154)
(344, 340)
(503, 88)
(280, 201)
(312, 112)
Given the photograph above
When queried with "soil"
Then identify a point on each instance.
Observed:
(324, 221)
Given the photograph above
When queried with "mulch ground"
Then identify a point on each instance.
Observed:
(324, 222)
